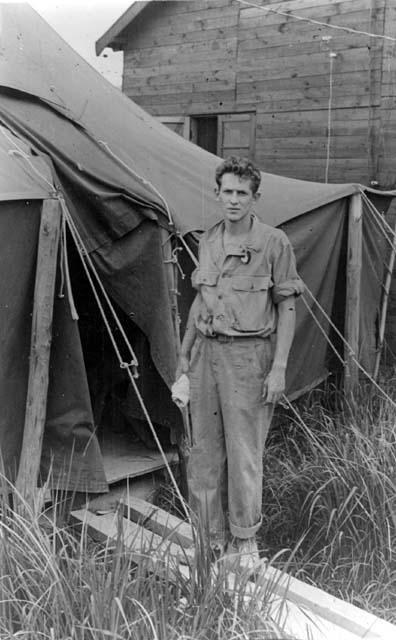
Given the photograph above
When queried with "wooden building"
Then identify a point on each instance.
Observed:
(298, 85)
(306, 88)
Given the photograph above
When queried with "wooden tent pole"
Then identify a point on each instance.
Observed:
(353, 284)
(40, 348)
(384, 306)
(172, 278)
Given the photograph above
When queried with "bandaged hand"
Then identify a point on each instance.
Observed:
(181, 391)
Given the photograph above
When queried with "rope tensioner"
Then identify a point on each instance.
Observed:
(133, 365)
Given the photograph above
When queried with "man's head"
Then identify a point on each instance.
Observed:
(237, 184)
(241, 167)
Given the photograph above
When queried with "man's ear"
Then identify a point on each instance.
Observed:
(217, 191)
(257, 196)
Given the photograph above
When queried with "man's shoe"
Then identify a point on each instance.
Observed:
(243, 554)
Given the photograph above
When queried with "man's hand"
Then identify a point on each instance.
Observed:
(183, 365)
(274, 385)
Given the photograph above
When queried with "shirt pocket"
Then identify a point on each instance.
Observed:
(249, 302)
(251, 283)
(204, 277)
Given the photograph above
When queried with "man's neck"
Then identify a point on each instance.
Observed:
(237, 229)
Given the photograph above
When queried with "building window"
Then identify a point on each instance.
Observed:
(223, 134)
(204, 132)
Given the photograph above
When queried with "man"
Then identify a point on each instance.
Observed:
(247, 283)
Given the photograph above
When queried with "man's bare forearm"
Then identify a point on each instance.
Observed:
(275, 382)
(285, 331)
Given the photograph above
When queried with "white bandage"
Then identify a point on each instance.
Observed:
(181, 391)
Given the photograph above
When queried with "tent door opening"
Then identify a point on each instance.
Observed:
(127, 445)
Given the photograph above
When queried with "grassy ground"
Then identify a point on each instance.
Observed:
(57, 585)
(330, 492)
(329, 502)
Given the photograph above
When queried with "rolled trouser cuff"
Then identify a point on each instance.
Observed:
(245, 532)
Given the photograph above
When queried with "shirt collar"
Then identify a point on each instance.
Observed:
(252, 242)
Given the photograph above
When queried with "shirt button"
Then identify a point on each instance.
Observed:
(220, 297)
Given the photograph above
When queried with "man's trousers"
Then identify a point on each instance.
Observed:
(230, 423)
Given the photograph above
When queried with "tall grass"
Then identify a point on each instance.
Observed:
(58, 584)
(330, 480)
(329, 495)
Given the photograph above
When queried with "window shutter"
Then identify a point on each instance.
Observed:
(236, 134)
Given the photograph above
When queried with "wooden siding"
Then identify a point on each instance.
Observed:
(223, 57)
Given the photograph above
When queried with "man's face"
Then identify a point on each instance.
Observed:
(236, 197)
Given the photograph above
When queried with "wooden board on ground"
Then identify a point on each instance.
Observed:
(158, 520)
(113, 527)
(125, 458)
(298, 608)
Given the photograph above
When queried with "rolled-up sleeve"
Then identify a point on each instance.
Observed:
(286, 280)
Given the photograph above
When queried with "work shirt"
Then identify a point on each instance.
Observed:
(240, 288)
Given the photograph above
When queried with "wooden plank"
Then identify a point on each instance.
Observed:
(277, 103)
(178, 87)
(345, 170)
(306, 128)
(182, 50)
(308, 92)
(179, 67)
(287, 46)
(194, 52)
(341, 165)
(183, 99)
(188, 108)
(197, 6)
(294, 87)
(265, 37)
(324, 607)
(224, 27)
(324, 12)
(315, 147)
(140, 541)
(296, 64)
(312, 9)
(299, 606)
(157, 520)
(355, 25)
(353, 285)
(302, 83)
(41, 336)
(294, 604)
(141, 77)
(306, 54)
(356, 116)
(194, 12)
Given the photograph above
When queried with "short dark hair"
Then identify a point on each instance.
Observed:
(241, 167)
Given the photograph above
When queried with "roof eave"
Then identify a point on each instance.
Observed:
(111, 38)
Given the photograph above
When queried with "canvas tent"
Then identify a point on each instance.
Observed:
(129, 183)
